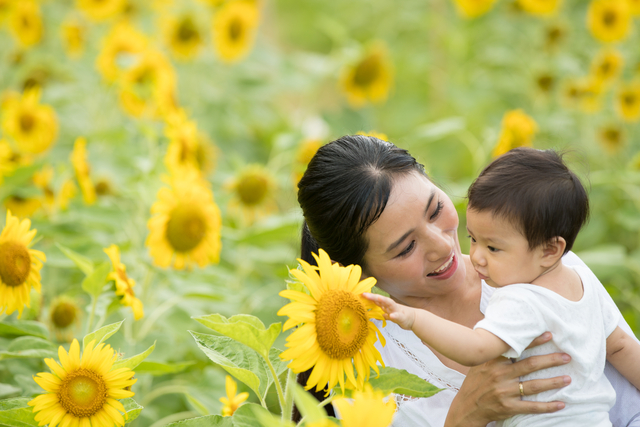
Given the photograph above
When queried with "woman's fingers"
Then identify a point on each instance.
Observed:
(537, 386)
(538, 407)
(535, 363)
(546, 337)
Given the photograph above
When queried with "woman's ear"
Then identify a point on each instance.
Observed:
(552, 251)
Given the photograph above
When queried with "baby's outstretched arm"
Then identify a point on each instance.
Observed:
(623, 352)
(466, 346)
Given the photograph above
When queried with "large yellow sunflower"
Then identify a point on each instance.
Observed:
(335, 332)
(234, 29)
(367, 408)
(73, 34)
(253, 189)
(606, 66)
(124, 284)
(83, 391)
(183, 36)
(185, 224)
(628, 102)
(121, 49)
(25, 22)
(518, 130)
(540, 7)
(82, 170)
(19, 265)
(31, 125)
(369, 79)
(609, 20)
(233, 400)
(473, 8)
(100, 10)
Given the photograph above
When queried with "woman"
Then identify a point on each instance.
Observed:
(367, 202)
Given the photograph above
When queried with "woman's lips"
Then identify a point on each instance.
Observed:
(448, 271)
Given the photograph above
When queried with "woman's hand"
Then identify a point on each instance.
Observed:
(491, 391)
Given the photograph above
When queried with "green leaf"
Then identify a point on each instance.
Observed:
(244, 328)
(206, 421)
(81, 261)
(16, 413)
(158, 368)
(399, 381)
(250, 415)
(29, 347)
(307, 404)
(240, 362)
(101, 334)
(23, 327)
(134, 361)
(132, 409)
(7, 390)
(197, 405)
(94, 282)
(441, 128)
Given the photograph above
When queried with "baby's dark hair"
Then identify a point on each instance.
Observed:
(536, 192)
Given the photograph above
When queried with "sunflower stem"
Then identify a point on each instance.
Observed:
(278, 385)
(288, 395)
(92, 314)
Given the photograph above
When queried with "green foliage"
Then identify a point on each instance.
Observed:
(101, 335)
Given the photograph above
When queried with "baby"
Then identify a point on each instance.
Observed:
(524, 213)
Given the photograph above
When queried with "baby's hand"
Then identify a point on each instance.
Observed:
(400, 314)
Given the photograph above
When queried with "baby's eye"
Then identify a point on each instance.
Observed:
(472, 239)
(492, 249)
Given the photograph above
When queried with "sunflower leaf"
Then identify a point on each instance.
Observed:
(158, 368)
(307, 405)
(81, 261)
(398, 381)
(94, 282)
(23, 327)
(134, 361)
(239, 361)
(252, 414)
(132, 408)
(246, 329)
(16, 413)
(101, 334)
(206, 421)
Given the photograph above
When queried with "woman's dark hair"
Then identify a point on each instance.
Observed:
(344, 190)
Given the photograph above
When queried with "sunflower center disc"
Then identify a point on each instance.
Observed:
(83, 393)
(15, 263)
(252, 189)
(341, 324)
(27, 122)
(235, 29)
(187, 31)
(63, 314)
(367, 71)
(609, 18)
(186, 228)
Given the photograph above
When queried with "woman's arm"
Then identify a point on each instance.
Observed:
(490, 391)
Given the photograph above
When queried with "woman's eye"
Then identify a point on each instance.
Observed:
(437, 211)
(407, 249)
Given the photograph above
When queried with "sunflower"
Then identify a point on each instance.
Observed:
(124, 284)
(5, 9)
(188, 148)
(234, 29)
(336, 333)
(233, 400)
(82, 170)
(545, 82)
(253, 189)
(609, 20)
(518, 130)
(305, 152)
(22, 207)
(185, 224)
(120, 50)
(540, 7)
(634, 7)
(366, 408)
(628, 102)
(611, 138)
(74, 35)
(25, 22)
(101, 10)
(369, 79)
(213, 3)
(553, 36)
(83, 390)
(148, 88)
(591, 93)
(473, 8)
(67, 192)
(31, 125)
(183, 36)
(64, 313)
(606, 66)
(42, 180)
(19, 265)
(7, 166)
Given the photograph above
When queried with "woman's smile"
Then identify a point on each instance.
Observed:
(447, 269)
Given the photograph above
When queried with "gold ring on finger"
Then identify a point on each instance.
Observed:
(521, 388)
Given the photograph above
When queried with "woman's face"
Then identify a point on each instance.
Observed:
(413, 247)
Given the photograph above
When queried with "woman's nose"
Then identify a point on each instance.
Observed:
(440, 244)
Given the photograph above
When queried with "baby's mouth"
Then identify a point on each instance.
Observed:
(443, 268)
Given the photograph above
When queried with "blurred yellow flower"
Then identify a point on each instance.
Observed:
(7, 166)
(101, 10)
(634, 7)
(553, 36)
(366, 408)
(634, 164)
(103, 187)
(234, 29)
(19, 265)
(67, 192)
(545, 82)
(185, 224)
(305, 152)
(5, 8)
(473, 8)
(182, 35)
(335, 333)
(628, 101)
(25, 22)
(83, 390)
(64, 315)
(82, 170)
(33, 126)
(607, 66)
(374, 134)
(22, 207)
(611, 138)
(609, 20)
(253, 189)
(540, 7)
(213, 3)
(120, 51)
(233, 400)
(74, 35)
(369, 79)
(188, 148)
(124, 284)
(148, 88)
(42, 180)
(591, 92)
(518, 130)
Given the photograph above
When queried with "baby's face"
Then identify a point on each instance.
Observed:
(499, 252)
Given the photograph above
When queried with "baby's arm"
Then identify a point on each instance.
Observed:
(466, 346)
(623, 352)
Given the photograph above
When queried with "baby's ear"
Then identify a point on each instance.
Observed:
(553, 250)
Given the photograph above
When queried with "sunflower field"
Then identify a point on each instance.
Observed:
(149, 156)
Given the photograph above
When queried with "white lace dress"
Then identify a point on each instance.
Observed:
(405, 351)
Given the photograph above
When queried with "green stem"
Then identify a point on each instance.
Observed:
(278, 385)
(288, 395)
(94, 303)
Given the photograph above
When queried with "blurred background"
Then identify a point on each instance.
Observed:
(155, 123)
